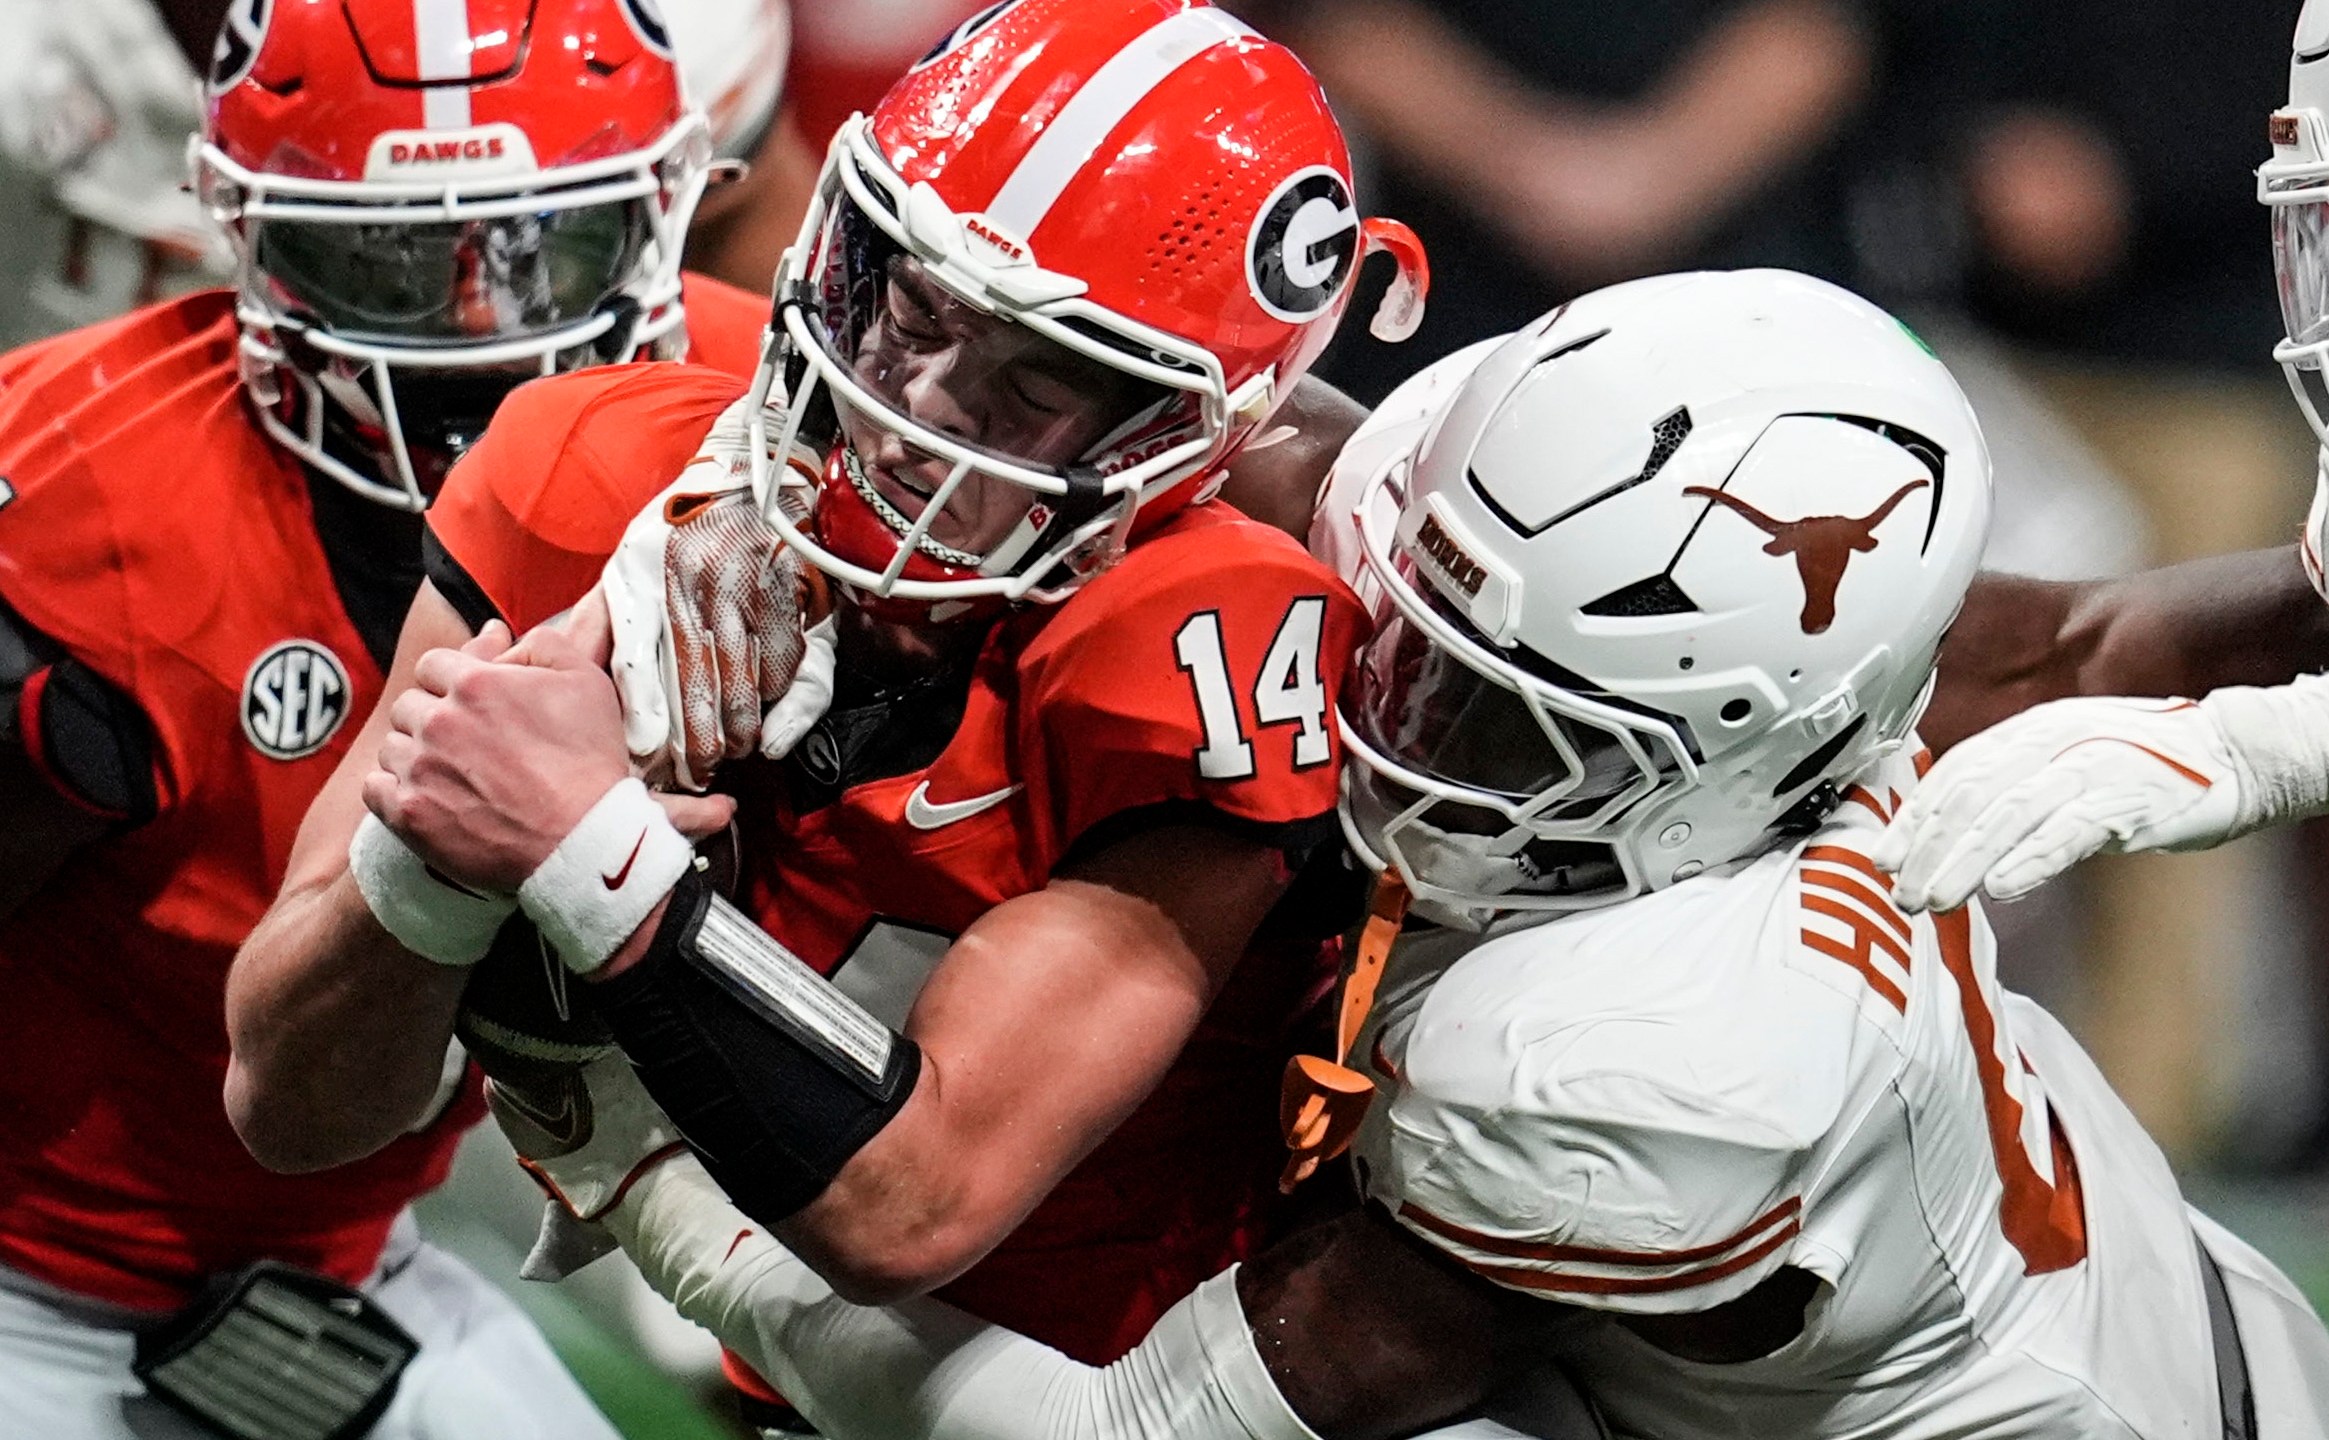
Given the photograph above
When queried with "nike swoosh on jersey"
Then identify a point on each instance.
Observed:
(923, 813)
(615, 881)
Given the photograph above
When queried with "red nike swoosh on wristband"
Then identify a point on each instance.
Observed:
(615, 881)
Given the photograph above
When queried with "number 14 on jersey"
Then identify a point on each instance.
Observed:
(1288, 691)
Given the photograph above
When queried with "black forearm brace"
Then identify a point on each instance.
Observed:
(775, 1077)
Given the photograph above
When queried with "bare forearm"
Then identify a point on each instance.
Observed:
(1367, 1335)
(2247, 619)
(339, 1033)
(1756, 94)
(1277, 479)
(1599, 188)
(1045, 1024)
(1431, 106)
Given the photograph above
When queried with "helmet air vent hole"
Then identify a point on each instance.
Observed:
(1666, 437)
(1658, 595)
(1735, 712)
(1688, 661)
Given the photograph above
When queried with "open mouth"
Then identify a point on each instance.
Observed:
(861, 480)
(883, 472)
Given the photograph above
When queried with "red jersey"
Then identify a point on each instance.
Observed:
(1197, 675)
(154, 533)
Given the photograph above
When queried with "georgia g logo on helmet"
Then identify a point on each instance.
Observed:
(646, 17)
(239, 38)
(1303, 245)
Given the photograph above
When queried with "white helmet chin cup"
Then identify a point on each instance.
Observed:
(1653, 580)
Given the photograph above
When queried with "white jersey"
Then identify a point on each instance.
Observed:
(1653, 1108)
(96, 109)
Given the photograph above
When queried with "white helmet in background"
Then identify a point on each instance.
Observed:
(1660, 576)
(732, 58)
(2294, 184)
(96, 102)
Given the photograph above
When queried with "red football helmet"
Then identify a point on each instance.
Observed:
(1069, 263)
(432, 201)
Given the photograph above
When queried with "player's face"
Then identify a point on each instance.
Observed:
(982, 380)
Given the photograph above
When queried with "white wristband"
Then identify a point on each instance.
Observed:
(430, 917)
(613, 867)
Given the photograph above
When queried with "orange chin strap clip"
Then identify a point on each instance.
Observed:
(1322, 1101)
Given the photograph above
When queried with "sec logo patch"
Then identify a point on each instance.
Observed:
(294, 699)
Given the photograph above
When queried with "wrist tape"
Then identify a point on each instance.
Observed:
(610, 871)
(775, 1077)
(428, 915)
(2280, 737)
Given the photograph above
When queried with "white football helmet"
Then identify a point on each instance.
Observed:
(2294, 184)
(732, 58)
(1654, 581)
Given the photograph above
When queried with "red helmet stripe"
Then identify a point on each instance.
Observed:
(1101, 104)
(441, 39)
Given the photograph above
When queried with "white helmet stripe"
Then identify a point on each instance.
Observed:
(1098, 107)
(441, 38)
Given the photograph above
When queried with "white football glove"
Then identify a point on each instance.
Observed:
(721, 642)
(2025, 800)
(585, 1134)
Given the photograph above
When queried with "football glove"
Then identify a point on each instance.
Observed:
(2025, 800)
(721, 641)
(586, 1133)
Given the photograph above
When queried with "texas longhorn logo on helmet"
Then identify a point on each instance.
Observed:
(1823, 545)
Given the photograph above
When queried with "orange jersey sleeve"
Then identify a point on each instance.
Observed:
(528, 518)
(723, 324)
(1203, 669)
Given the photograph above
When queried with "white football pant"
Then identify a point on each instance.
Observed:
(483, 1372)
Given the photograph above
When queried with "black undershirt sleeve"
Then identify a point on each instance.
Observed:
(90, 740)
(468, 598)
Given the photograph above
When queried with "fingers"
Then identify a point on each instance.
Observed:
(438, 671)
(552, 647)
(806, 699)
(2058, 843)
(384, 786)
(397, 753)
(380, 795)
(490, 642)
(739, 694)
(698, 815)
(589, 628)
(1968, 819)
(408, 712)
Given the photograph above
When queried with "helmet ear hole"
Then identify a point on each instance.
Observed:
(1735, 712)
(1812, 765)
